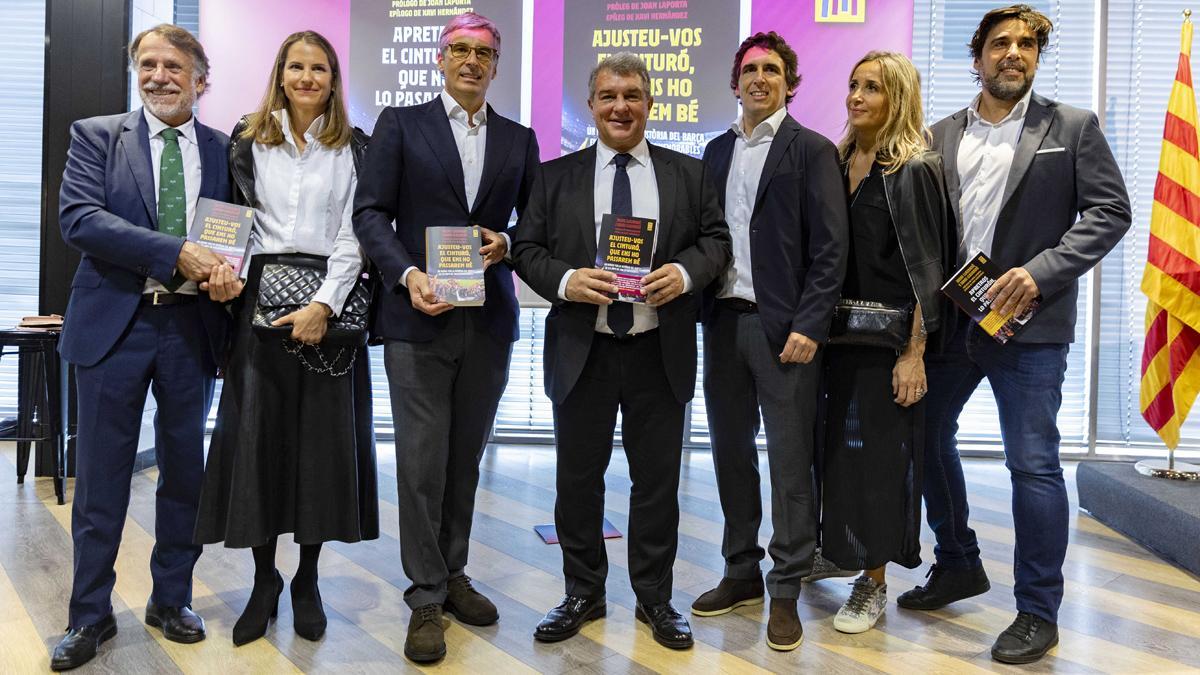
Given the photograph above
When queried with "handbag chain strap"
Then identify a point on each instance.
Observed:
(325, 367)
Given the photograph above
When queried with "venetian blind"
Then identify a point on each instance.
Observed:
(22, 53)
(1143, 50)
(941, 31)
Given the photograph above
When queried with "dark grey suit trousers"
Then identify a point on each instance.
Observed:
(444, 398)
(742, 374)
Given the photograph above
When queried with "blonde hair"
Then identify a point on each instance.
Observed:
(904, 135)
(264, 128)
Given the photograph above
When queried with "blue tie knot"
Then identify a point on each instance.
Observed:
(622, 159)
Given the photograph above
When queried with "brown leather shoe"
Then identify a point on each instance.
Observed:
(426, 641)
(467, 604)
(784, 632)
(728, 596)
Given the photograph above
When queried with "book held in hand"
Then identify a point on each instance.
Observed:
(968, 289)
(223, 228)
(626, 247)
(454, 265)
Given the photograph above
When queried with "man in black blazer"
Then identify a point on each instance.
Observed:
(1037, 190)
(144, 313)
(450, 162)
(784, 201)
(601, 356)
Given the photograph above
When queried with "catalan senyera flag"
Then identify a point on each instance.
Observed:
(1171, 280)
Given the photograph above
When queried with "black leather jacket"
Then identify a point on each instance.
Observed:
(924, 222)
(241, 160)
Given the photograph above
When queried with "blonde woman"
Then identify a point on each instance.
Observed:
(293, 450)
(899, 220)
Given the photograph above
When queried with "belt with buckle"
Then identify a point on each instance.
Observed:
(627, 336)
(738, 305)
(164, 298)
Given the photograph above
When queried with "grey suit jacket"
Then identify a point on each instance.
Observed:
(1064, 207)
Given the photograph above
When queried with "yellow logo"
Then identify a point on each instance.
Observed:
(840, 11)
(650, 226)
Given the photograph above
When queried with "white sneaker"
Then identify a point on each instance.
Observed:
(863, 608)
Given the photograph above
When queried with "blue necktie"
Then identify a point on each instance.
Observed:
(620, 314)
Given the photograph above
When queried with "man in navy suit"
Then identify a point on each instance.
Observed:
(450, 162)
(143, 313)
(781, 188)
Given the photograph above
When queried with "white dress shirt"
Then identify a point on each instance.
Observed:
(644, 191)
(985, 156)
(191, 179)
(303, 203)
(470, 136)
(745, 172)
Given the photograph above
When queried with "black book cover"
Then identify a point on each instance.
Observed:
(454, 265)
(968, 289)
(626, 247)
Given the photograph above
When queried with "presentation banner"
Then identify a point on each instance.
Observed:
(829, 36)
(688, 47)
(394, 49)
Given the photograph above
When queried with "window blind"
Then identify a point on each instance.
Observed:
(1143, 51)
(22, 56)
(941, 31)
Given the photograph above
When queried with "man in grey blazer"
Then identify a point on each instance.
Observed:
(1038, 190)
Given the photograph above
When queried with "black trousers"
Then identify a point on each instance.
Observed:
(626, 375)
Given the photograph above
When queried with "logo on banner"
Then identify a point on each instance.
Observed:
(840, 11)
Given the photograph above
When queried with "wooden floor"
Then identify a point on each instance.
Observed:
(1125, 610)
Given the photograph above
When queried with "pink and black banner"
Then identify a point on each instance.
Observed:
(388, 50)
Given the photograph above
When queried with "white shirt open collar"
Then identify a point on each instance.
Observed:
(765, 129)
(1017, 113)
(310, 134)
(456, 111)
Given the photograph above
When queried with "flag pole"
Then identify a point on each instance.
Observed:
(1156, 467)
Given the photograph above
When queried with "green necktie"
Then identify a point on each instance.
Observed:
(172, 198)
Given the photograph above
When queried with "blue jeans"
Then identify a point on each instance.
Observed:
(1026, 380)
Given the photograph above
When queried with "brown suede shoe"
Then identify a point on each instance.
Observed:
(426, 641)
(467, 604)
(728, 596)
(784, 632)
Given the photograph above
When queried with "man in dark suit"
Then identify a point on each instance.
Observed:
(1039, 192)
(137, 319)
(763, 322)
(601, 356)
(450, 162)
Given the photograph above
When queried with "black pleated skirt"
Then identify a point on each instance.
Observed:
(293, 450)
(870, 463)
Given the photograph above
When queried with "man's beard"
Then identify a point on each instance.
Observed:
(163, 111)
(1007, 90)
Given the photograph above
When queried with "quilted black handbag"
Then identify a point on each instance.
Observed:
(288, 285)
(871, 324)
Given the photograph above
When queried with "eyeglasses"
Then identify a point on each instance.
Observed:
(461, 51)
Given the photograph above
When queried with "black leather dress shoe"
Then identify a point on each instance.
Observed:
(945, 585)
(178, 624)
(1026, 640)
(669, 627)
(79, 645)
(565, 620)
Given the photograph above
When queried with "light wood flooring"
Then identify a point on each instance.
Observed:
(1125, 610)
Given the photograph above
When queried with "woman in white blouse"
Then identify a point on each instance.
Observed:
(294, 449)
